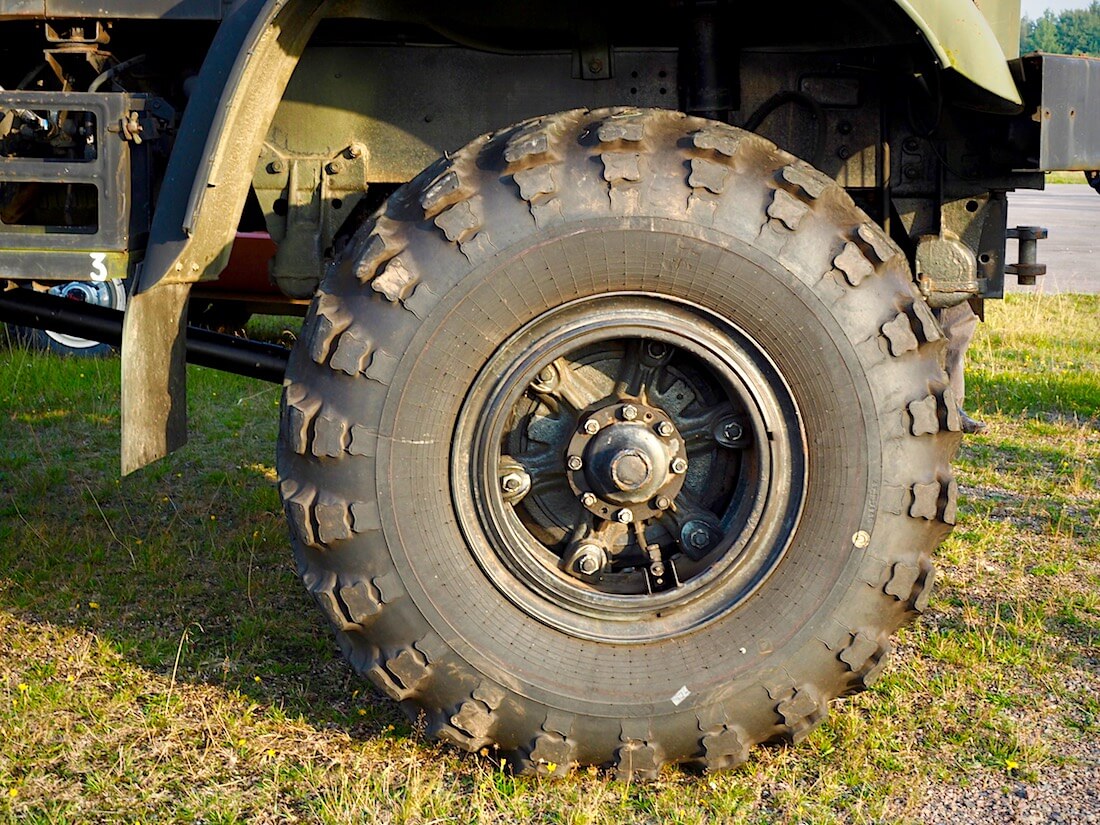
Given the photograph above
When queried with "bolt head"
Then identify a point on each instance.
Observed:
(591, 426)
(511, 482)
(624, 516)
(629, 412)
(547, 373)
(679, 466)
(574, 462)
(733, 431)
(663, 502)
(665, 429)
(699, 538)
(588, 562)
(588, 499)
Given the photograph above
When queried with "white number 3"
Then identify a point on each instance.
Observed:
(99, 268)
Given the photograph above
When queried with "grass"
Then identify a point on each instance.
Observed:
(159, 660)
(1065, 177)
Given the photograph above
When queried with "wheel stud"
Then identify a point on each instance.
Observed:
(588, 499)
(679, 466)
(665, 429)
(591, 426)
(629, 412)
(574, 462)
(624, 516)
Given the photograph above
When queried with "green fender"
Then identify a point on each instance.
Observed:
(963, 40)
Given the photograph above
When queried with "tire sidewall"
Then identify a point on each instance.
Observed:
(478, 621)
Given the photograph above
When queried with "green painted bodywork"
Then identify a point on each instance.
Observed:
(963, 39)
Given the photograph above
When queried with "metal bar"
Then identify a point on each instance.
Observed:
(241, 356)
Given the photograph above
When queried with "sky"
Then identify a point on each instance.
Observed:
(1035, 8)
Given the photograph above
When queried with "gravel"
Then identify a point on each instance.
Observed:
(1069, 794)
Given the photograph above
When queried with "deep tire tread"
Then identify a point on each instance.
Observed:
(718, 169)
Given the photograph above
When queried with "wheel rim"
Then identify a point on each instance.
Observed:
(628, 468)
(109, 294)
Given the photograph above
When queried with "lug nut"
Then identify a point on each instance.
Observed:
(588, 563)
(591, 426)
(588, 499)
(728, 432)
(696, 536)
(656, 350)
(679, 466)
(663, 502)
(624, 516)
(665, 429)
(699, 538)
(515, 484)
(629, 412)
(574, 462)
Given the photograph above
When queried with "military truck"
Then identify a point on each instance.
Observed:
(618, 431)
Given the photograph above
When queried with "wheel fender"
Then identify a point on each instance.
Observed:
(235, 96)
(236, 93)
(962, 40)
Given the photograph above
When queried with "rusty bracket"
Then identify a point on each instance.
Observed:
(305, 200)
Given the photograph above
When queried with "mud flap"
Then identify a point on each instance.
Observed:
(154, 376)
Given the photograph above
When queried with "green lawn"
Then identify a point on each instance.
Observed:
(159, 660)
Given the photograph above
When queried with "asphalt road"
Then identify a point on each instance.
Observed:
(1072, 252)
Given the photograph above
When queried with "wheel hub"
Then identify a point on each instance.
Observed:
(625, 455)
(626, 458)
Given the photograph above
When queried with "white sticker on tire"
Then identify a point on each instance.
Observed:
(99, 267)
(680, 695)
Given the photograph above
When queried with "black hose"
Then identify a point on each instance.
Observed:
(757, 118)
(115, 71)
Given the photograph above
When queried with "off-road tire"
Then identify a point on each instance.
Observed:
(424, 319)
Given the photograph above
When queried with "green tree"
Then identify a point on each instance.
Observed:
(1044, 35)
(1075, 31)
(1079, 30)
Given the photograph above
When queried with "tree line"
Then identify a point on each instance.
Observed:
(1074, 31)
